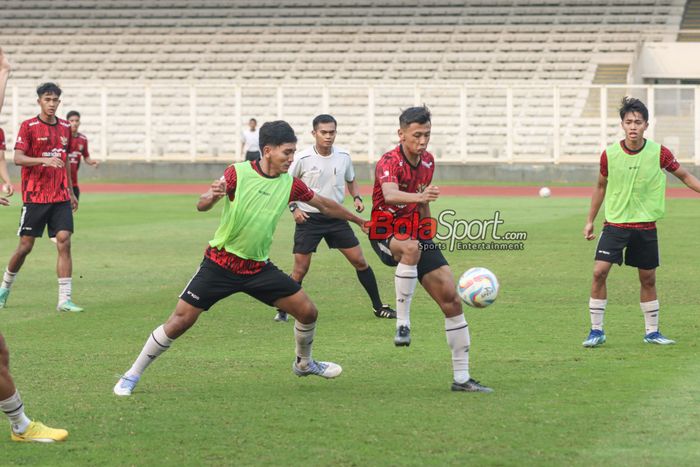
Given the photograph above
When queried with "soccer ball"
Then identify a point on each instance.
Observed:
(545, 192)
(478, 287)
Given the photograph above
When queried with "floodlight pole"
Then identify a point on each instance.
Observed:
(103, 120)
(696, 124)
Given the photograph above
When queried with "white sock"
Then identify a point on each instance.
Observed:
(14, 409)
(651, 315)
(457, 332)
(7, 279)
(65, 287)
(405, 280)
(596, 308)
(304, 336)
(157, 343)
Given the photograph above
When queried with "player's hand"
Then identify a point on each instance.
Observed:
(366, 226)
(95, 164)
(54, 162)
(73, 202)
(430, 194)
(4, 63)
(218, 188)
(359, 205)
(7, 189)
(300, 216)
(588, 231)
(4, 201)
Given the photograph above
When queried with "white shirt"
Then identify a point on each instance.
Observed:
(251, 139)
(325, 175)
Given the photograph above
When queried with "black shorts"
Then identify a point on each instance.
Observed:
(431, 257)
(34, 217)
(336, 232)
(212, 283)
(252, 155)
(641, 247)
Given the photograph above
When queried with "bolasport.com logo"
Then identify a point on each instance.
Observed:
(448, 232)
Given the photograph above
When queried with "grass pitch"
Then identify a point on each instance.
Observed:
(225, 393)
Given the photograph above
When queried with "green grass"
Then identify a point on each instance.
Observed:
(225, 393)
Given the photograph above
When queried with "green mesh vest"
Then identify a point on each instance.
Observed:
(249, 221)
(636, 185)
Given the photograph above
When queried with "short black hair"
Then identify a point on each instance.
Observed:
(630, 104)
(48, 88)
(72, 113)
(276, 133)
(252, 120)
(420, 115)
(324, 118)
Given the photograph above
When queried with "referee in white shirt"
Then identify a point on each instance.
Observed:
(327, 170)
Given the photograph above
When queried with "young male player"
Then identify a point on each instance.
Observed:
(402, 189)
(251, 141)
(47, 191)
(633, 184)
(327, 169)
(257, 194)
(23, 429)
(78, 150)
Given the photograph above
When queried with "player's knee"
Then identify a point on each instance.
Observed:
(307, 313)
(451, 305)
(600, 275)
(648, 282)
(359, 263)
(410, 253)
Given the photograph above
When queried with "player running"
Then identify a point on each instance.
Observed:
(633, 185)
(402, 191)
(257, 193)
(327, 170)
(23, 429)
(47, 192)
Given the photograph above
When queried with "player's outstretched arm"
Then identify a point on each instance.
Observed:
(216, 191)
(392, 194)
(596, 202)
(4, 76)
(689, 179)
(330, 208)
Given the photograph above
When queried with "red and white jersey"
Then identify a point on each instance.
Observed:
(2, 140)
(77, 150)
(393, 167)
(41, 184)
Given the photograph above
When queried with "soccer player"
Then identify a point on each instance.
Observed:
(78, 150)
(23, 429)
(632, 184)
(402, 192)
(47, 192)
(256, 194)
(327, 169)
(251, 143)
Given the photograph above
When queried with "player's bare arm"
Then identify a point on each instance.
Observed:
(216, 191)
(4, 201)
(91, 161)
(4, 75)
(596, 202)
(392, 194)
(330, 208)
(299, 216)
(689, 179)
(73, 198)
(23, 160)
(354, 190)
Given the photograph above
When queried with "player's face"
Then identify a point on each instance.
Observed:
(634, 126)
(415, 138)
(281, 157)
(325, 135)
(252, 124)
(74, 123)
(49, 104)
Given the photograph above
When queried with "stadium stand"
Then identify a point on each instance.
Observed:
(381, 55)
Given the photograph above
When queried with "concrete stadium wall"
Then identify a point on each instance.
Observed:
(124, 171)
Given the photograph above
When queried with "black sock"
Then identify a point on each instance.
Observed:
(369, 282)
